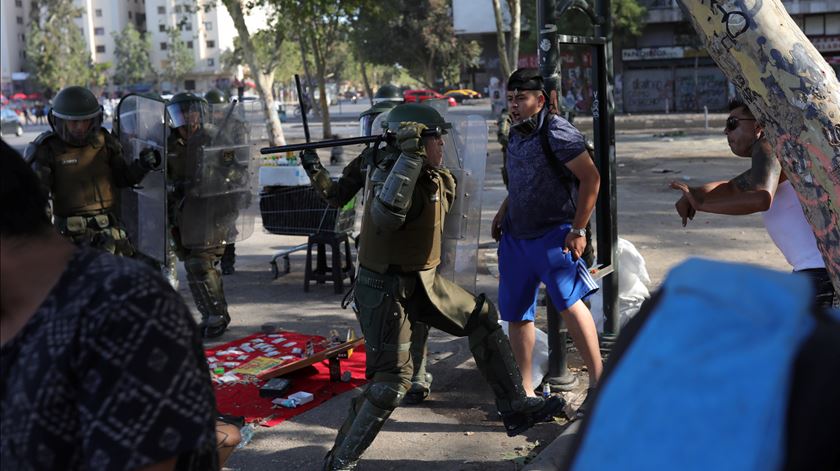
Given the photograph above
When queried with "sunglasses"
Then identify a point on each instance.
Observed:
(732, 122)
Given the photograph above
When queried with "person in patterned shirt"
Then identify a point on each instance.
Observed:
(102, 364)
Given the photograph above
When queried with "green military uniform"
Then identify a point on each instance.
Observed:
(84, 172)
(210, 218)
(398, 285)
(339, 193)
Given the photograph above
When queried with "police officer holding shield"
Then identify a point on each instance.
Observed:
(398, 285)
(81, 166)
(215, 98)
(208, 186)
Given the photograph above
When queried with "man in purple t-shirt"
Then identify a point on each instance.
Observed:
(541, 225)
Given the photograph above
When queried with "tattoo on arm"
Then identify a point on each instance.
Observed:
(743, 182)
(763, 173)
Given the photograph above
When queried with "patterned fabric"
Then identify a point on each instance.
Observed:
(538, 200)
(108, 374)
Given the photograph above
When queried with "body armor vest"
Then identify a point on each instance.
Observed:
(83, 181)
(414, 246)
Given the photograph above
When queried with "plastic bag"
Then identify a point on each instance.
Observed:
(633, 279)
(539, 355)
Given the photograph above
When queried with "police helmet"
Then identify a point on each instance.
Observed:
(76, 115)
(388, 92)
(215, 97)
(418, 113)
(367, 117)
(186, 108)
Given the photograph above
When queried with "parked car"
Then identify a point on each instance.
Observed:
(462, 94)
(10, 122)
(419, 96)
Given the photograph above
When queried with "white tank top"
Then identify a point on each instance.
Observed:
(785, 222)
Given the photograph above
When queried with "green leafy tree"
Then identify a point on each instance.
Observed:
(419, 36)
(131, 52)
(323, 25)
(56, 54)
(179, 59)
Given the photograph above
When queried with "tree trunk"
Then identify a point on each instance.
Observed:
(504, 65)
(321, 68)
(368, 90)
(515, 27)
(308, 86)
(263, 81)
(795, 94)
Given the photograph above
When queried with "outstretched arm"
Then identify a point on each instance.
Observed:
(749, 192)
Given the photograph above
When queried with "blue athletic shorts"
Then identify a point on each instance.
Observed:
(525, 263)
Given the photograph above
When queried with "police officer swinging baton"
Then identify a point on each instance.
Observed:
(315, 145)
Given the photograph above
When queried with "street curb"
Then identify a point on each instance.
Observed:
(557, 452)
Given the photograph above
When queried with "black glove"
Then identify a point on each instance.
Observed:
(150, 158)
(310, 161)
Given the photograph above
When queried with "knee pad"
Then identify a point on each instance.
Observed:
(385, 396)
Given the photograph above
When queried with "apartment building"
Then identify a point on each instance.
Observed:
(205, 27)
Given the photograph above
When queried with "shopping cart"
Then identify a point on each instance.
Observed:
(300, 210)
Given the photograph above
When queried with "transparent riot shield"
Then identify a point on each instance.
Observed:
(465, 155)
(218, 205)
(140, 127)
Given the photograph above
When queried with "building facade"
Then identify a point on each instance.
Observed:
(204, 26)
(665, 69)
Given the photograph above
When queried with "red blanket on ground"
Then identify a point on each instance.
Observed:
(243, 397)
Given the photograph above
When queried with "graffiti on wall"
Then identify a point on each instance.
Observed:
(648, 90)
(696, 88)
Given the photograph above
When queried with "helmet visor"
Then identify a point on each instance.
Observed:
(186, 113)
(76, 132)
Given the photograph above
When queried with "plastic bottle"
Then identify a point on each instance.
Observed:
(246, 432)
(546, 390)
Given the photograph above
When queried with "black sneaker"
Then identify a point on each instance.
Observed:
(586, 404)
(518, 422)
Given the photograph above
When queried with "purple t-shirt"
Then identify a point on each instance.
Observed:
(538, 199)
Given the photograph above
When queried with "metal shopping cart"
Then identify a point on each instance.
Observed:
(299, 210)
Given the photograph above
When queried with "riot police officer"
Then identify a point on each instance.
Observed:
(81, 166)
(388, 92)
(339, 193)
(401, 238)
(216, 99)
(202, 212)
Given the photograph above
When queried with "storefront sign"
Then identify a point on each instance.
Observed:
(652, 53)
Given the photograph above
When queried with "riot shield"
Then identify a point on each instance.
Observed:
(465, 155)
(217, 207)
(141, 126)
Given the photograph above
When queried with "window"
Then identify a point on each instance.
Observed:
(99, 31)
(188, 26)
(211, 44)
(162, 28)
(177, 8)
(189, 84)
(20, 20)
(162, 46)
(211, 62)
(815, 25)
(189, 45)
(161, 10)
(208, 26)
(98, 13)
(19, 3)
(100, 49)
(130, 15)
(832, 23)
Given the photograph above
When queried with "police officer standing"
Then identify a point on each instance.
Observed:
(81, 166)
(401, 239)
(201, 222)
(339, 193)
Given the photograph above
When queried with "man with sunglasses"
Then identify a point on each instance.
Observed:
(763, 188)
(407, 198)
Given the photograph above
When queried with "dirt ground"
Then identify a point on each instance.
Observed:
(456, 429)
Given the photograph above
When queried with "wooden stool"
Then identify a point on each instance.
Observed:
(335, 272)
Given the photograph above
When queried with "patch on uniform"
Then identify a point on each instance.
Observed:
(70, 162)
(228, 157)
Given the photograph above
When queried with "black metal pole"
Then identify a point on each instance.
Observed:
(607, 218)
(302, 107)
